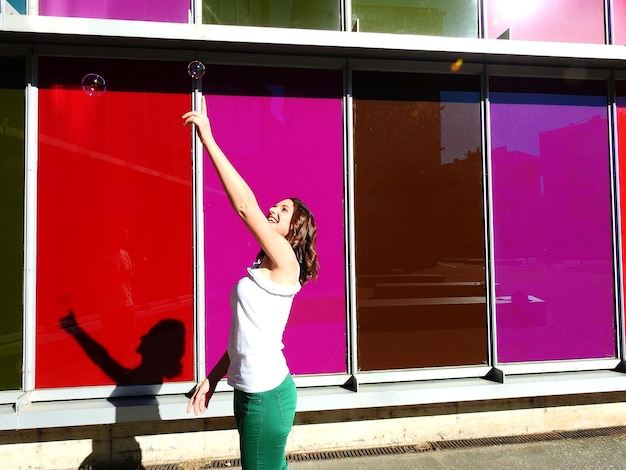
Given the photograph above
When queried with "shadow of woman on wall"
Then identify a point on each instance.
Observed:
(161, 350)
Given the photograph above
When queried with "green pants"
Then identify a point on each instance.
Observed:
(264, 421)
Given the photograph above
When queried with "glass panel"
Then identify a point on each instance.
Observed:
(417, 157)
(546, 20)
(16, 7)
(114, 224)
(320, 14)
(620, 102)
(552, 220)
(173, 11)
(270, 122)
(452, 18)
(619, 22)
(12, 209)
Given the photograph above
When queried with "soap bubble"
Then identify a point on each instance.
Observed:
(94, 84)
(196, 69)
(64, 299)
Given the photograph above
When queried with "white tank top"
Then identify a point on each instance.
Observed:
(260, 310)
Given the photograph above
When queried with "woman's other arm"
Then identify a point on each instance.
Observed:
(200, 399)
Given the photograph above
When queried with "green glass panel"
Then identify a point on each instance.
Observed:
(305, 14)
(452, 18)
(12, 218)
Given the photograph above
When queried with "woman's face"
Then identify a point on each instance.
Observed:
(280, 215)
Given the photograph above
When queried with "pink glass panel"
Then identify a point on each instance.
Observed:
(619, 22)
(552, 220)
(173, 11)
(546, 20)
(114, 225)
(283, 131)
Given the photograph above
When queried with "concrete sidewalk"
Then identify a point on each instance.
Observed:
(581, 450)
(600, 453)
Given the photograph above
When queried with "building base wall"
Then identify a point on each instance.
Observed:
(151, 443)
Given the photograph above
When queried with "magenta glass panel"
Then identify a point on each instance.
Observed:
(282, 128)
(619, 22)
(173, 11)
(546, 20)
(552, 220)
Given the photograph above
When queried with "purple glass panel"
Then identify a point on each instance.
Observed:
(173, 11)
(546, 20)
(283, 131)
(552, 220)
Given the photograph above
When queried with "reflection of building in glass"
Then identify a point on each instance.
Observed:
(559, 188)
(574, 186)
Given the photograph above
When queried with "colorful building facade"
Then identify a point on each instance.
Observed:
(462, 159)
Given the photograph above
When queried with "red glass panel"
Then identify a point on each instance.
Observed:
(114, 226)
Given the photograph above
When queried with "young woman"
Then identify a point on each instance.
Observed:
(264, 393)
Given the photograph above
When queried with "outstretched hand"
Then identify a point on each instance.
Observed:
(68, 322)
(201, 120)
(200, 398)
(203, 393)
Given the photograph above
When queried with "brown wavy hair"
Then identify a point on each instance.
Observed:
(302, 236)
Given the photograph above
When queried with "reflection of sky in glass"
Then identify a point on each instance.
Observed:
(546, 20)
(17, 6)
(525, 123)
(458, 17)
(619, 22)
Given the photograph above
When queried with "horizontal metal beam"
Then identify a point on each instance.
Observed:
(173, 407)
(251, 39)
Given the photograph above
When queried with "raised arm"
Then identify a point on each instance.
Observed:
(276, 247)
(96, 352)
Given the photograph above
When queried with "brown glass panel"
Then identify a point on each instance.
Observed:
(419, 221)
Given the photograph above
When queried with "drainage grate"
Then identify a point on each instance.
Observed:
(426, 447)
(496, 441)
(614, 431)
(343, 454)
(542, 437)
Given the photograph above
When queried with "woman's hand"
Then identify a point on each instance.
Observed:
(201, 120)
(200, 398)
(68, 323)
